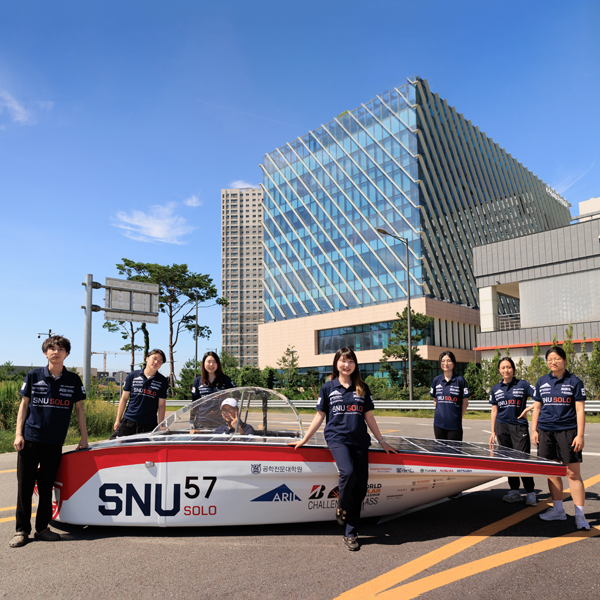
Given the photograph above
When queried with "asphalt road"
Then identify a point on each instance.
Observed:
(430, 553)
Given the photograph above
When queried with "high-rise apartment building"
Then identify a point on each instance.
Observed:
(409, 163)
(242, 272)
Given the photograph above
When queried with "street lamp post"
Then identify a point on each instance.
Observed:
(410, 374)
(196, 355)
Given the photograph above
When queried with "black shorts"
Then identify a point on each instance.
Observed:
(448, 434)
(513, 435)
(556, 445)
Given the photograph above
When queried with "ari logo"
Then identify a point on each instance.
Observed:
(317, 492)
(279, 494)
(255, 469)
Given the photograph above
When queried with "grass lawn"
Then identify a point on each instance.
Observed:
(7, 439)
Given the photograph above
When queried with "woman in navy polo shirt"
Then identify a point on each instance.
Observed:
(211, 380)
(451, 398)
(347, 403)
(558, 426)
(509, 424)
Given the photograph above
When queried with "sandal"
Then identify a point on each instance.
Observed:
(18, 540)
(352, 543)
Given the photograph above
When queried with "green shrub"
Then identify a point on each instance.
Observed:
(9, 404)
(100, 417)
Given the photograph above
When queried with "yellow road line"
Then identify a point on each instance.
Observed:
(14, 507)
(6, 519)
(412, 568)
(416, 588)
(9, 471)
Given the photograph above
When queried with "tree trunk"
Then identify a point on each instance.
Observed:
(146, 342)
(132, 346)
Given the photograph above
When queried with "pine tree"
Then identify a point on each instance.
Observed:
(569, 348)
(537, 367)
(594, 372)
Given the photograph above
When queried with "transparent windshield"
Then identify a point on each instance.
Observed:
(237, 411)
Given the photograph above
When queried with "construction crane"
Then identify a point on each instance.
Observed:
(104, 353)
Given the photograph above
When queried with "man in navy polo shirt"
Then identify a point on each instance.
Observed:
(48, 397)
(558, 425)
(146, 391)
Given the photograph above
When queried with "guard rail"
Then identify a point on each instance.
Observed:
(591, 406)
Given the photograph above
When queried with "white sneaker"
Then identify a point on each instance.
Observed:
(531, 500)
(554, 515)
(581, 522)
(512, 496)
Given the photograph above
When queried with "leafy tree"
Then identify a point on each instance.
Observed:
(127, 331)
(522, 370)
(288, 369)
(594, 371)
(179, 289)
(569, 348)
(397, 347)
(377, 385)
(8, 373)
(474, 379)
(229, 363)
(186, 379)
(537, 367)
(269, 377)
(392, 374)
(311, 383)
(583, 365)
(250, 376)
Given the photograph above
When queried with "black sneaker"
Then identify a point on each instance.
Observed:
(352, 543)
(340, 516)
(47, 535)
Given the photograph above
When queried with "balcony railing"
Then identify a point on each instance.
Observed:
(508, 322)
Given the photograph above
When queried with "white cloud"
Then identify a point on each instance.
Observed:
(192, 201)
(566, 182)
(161, 224)
(239, 184)
(18, 113)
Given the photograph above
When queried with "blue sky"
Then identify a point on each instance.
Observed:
(121, 121)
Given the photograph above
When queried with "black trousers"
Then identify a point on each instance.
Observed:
(448, 434)
(353, 464)
(127, 427)
(36, 462)
(515, 436)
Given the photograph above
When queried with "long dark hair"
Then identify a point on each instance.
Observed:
(355, 376)
(219, 372)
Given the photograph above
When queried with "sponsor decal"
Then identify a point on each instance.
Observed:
(403, 470)
(380, 469)
(279, 494)
(317, 492)
(464, 470)
(334, 493)
(428, 470)
(394, 497)
(281, 469)
(420, 481)
(419, 489)
(322, 504)
(255, 469)
(446, 470)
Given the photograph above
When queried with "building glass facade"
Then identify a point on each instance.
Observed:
(406, 162)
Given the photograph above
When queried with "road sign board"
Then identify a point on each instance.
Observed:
(130, 301)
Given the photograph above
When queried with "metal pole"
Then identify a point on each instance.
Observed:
(196, 356)
(87, 333)
(408, 323)
(410, 373)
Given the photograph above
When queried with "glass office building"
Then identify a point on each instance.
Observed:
(406, 162)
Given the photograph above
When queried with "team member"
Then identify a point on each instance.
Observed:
(451, 398)
(146, 391)
(211, 380)
(509, 400)
(229, 411)
(48, 397)
(558, 426)
(347, 403)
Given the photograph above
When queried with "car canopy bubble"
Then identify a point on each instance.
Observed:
(269, 413)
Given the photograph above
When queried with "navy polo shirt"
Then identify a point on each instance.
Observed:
(51, 403)
(145, 393)
(449, 397)
(199, 390)
(511, 400)
(245, 429)
(345, 413)
(558, 397)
